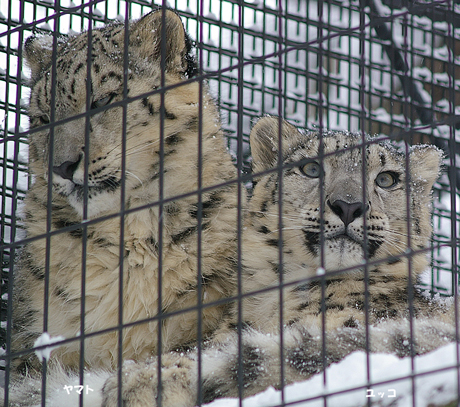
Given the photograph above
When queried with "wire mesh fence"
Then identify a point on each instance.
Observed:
(382, 67)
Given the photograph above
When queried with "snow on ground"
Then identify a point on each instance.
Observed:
(351, 373)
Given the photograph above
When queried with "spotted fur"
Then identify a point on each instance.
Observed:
(115, 128)
(382, 223)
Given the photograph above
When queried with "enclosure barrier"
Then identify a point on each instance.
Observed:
(386, 67)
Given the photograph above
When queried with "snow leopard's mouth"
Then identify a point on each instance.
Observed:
(97, 197)
(109, 184)
(69, 188)
(341, 242)
(344, 240)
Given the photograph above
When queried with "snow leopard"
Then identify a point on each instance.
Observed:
(333, 246)
(131, 174)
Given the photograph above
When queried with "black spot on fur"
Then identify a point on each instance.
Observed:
(273, 242)
(172, 208)
(264, 206)
(373, 246)
(275, 267)
(403, 346)
(234, 326)
(184, 234)
(61, 224)
(311, 241)
(319, 282)
(302, 287)
(167, 153)
(264, 230)
(101, 242)
(394, 260)
(307, 358)
(170, 116)
(207, 206)
(155, 176)
(110, 184)
(153, 244)
(146, 103)
(61, 293)
(211, 389)
(350, 323)
(338, 307)
(77, 233)
(111, 75)
(173, 140)
(251, 364)
(385, 313)
(274, 194)
(36, 271)
(26, 318)
(77, 69)
(192, 125)
(418, 230)
(302, 306)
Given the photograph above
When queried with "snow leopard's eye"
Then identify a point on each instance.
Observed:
(44, 119)
(386, 179)
(102, 101)
(39, 120)
(311, 170)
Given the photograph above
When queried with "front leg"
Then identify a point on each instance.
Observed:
(140, 383)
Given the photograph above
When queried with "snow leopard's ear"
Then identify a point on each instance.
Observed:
(264, 141)
(425, 165)
(38, 51)
(145, 39)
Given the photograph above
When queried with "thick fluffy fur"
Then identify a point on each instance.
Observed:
(54, 265)
(322, 200)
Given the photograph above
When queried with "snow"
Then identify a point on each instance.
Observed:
(347, 382)
(43, 340)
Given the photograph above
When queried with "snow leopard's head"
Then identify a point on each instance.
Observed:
(344, 199)
(85, 118)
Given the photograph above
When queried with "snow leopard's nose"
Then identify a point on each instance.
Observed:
(348, 212)
(67, 168)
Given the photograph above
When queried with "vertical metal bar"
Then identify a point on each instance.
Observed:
(49, 200)
(362, 121)
(87, 149)
(280, 192)
(200, 200)
(14, 192)
(161, 196)
(121, 253)
(322, 274)
(453, 176)
(410, 251)
(239, 134)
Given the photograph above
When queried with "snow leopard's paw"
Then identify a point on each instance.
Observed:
(140, 384)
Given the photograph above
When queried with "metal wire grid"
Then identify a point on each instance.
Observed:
(300, 59)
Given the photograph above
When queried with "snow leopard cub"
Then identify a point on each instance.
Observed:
(353, 226)
(156, 128)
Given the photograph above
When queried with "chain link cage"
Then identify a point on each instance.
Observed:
(386, 67)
